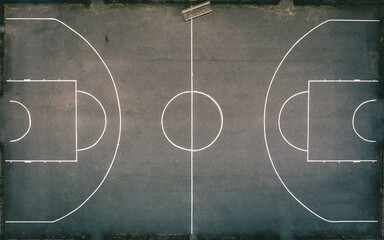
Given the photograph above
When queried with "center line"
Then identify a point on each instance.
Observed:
(191, 126)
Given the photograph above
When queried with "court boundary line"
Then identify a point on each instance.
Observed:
(353, 121)
(119, 112)
(39, 81)
(77, 154)
(48, 160)
(340, 161)
(105, 121)
(334, 160)
(41, 161)
(29, 121)
(265, 129)
(343, 81)
(279, 121)
(309, 90)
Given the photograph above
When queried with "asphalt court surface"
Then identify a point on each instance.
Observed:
(238, 180)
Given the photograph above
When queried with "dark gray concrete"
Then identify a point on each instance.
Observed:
(236, 51)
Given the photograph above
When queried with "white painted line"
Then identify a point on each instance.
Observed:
(341, 161)
(29, 121)
(188, 149)
(76, 138)
(279, 121)
(105, 121)
(119, 108)
(28, 222)
(265, 129)
(191, 126)
(353, 120)
(38, 81)
(309, 88)
(41, 161)
(343, 81)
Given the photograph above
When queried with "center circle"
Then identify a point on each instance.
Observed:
(190, 149)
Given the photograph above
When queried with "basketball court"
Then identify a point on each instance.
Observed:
(249, 120)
